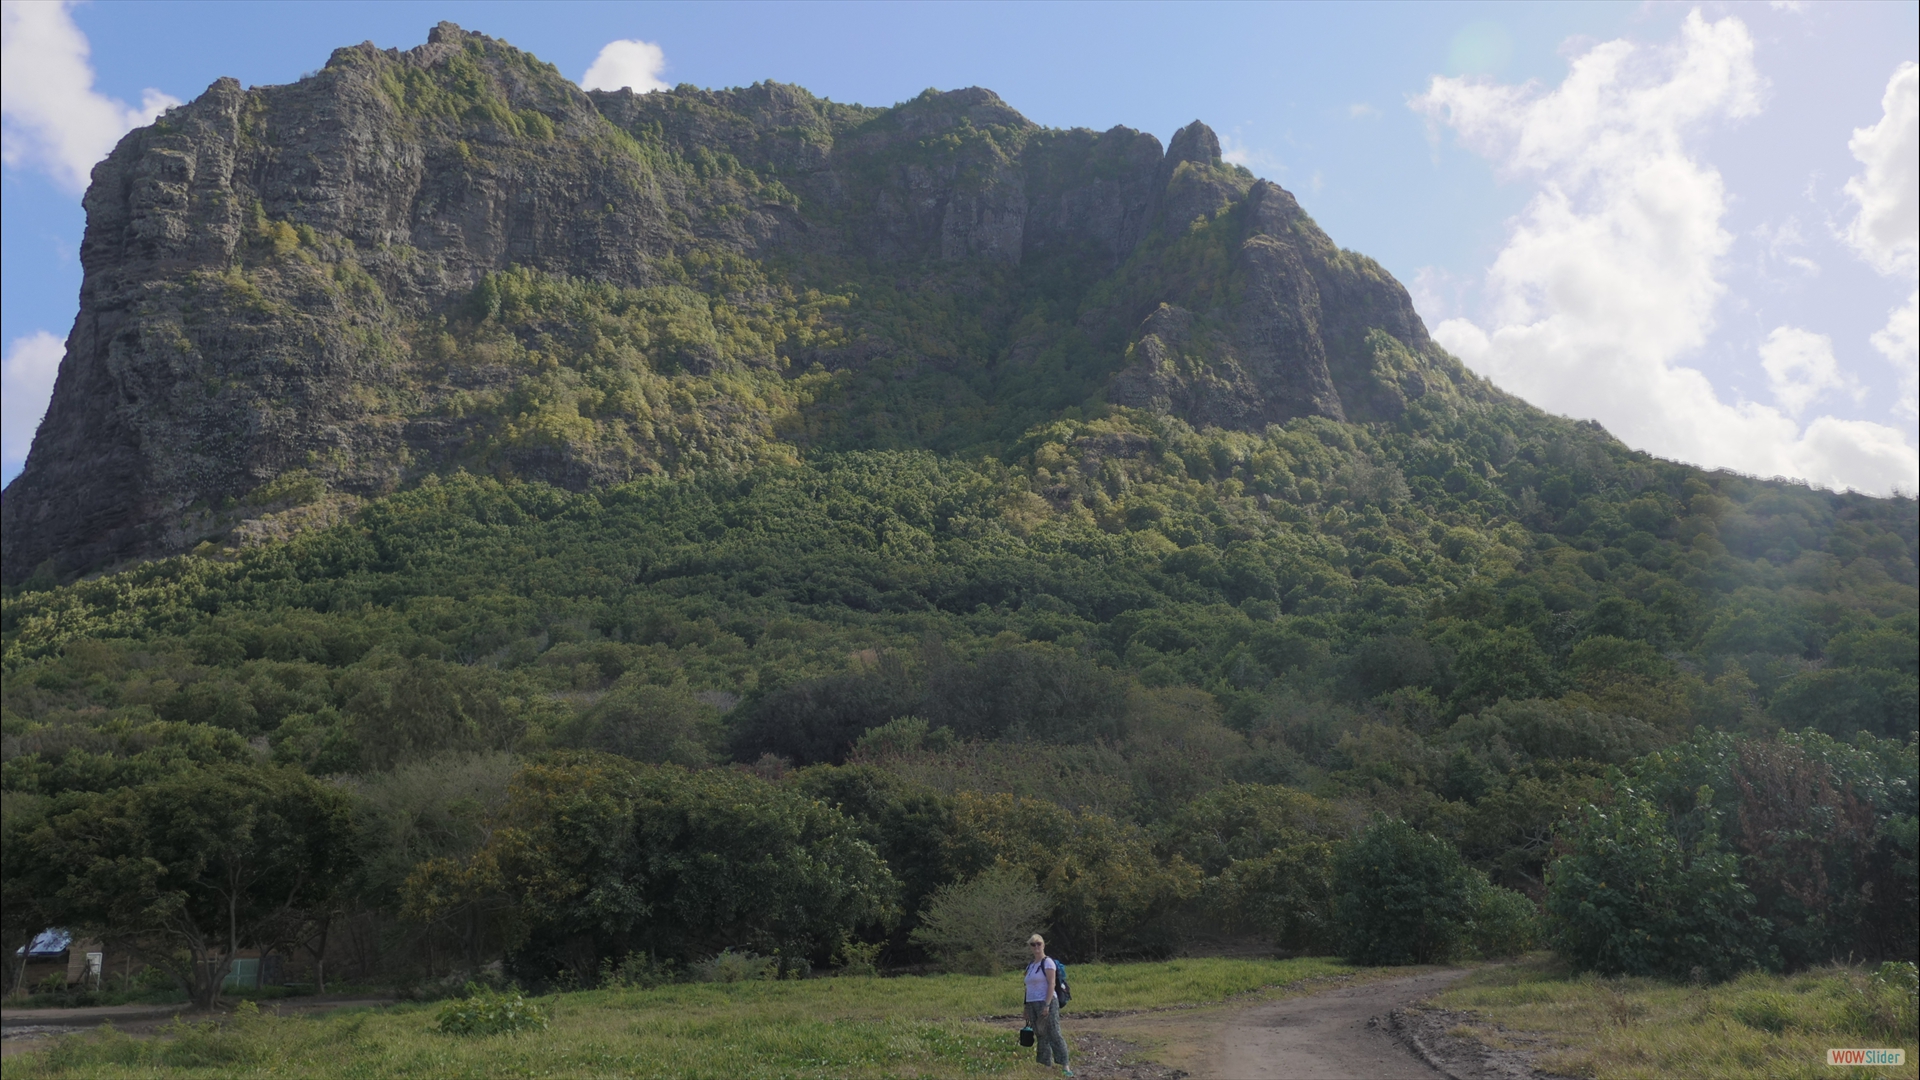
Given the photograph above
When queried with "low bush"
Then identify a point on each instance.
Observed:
(488, 1012)
(1504, 922)
(859, 958)
(728, 966)
(639, 971)
(1886, 1005)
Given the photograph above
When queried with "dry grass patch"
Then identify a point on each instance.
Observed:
(1757, 1025)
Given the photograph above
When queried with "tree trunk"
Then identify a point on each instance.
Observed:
(320, 956)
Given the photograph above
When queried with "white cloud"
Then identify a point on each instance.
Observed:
(1800, 367)
(1611, 273)
(54, 119)
(1360, 110)
(1780, 242)
(1899, 342)
(26, 384)
(1886, 231)
(1235, 151)
(637, 64)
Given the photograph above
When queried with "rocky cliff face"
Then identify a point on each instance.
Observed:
(453, 257)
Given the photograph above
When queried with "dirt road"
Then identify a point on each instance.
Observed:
(1325, 1036)
(1309, 1036)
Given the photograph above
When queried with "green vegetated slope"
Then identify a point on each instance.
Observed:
(804, 598)
(1121, 623)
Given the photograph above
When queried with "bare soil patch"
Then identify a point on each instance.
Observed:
(1464, 1046)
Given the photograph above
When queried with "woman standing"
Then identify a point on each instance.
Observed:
(1043, 1006)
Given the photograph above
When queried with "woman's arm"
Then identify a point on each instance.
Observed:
(1053, 973)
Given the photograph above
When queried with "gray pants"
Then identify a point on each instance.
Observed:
(1050, 1047)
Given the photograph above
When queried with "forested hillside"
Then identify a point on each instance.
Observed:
(815, 596)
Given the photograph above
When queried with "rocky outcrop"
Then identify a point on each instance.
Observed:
(277, 279)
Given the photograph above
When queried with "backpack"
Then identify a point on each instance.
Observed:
(1061, 991)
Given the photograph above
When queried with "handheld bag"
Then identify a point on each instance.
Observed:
(1026, 1035)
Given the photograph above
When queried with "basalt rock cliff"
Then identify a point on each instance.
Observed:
(452, 257)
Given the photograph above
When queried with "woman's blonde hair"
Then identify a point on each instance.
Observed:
(1036, 940)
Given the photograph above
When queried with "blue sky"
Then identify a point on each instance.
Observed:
(1635, 212)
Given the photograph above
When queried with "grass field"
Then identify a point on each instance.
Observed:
(1755, 1026)
(936, 1026)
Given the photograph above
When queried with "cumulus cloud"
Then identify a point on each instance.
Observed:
(26, 384)
(54, 119)
(1886, 229)
(633, 63)
(1611, 273)
(1800, 367)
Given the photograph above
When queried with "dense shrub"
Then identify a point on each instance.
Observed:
(1631, 899)
(1822, 832)
(1401, 896)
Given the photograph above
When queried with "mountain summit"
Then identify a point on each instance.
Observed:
(452, 257)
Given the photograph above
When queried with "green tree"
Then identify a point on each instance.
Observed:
(1108, 888)
(24, 912)
(1401, 896)
(981, 926)
(188, 868)
(907, 824)
(1503, 663)
(1267, 852)
(662, 725)
(601, 858)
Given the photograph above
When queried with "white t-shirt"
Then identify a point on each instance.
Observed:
(1037, 979)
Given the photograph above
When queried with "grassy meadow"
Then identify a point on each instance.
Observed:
(1757, 1025)
(946, 1025)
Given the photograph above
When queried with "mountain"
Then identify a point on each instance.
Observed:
(527, 502)
(452, 257)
